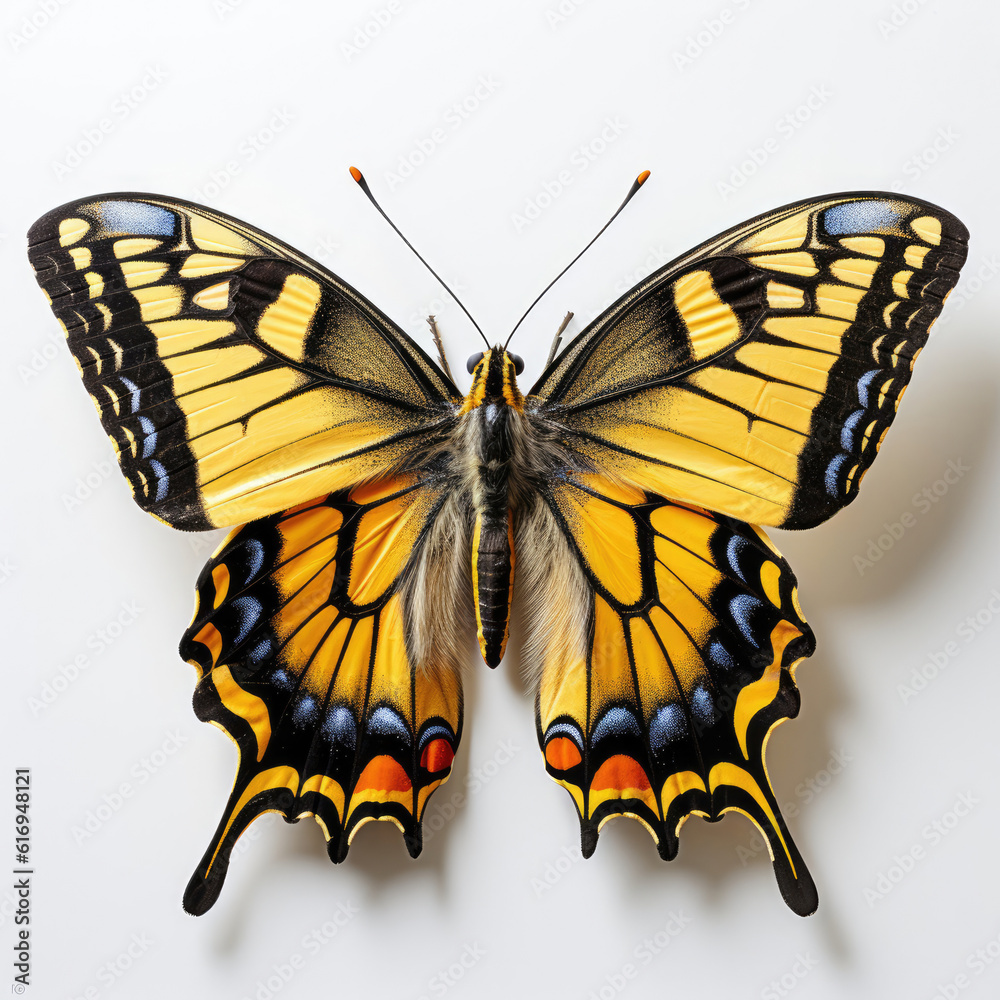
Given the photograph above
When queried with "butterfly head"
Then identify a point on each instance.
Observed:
(494, 379)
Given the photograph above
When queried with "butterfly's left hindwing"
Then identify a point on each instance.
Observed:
(300, 636)
(693, 634)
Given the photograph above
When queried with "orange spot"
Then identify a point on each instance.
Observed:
(641, 179)
(437, 755)
(209, 636)
(383, 774)
(356, 174)
(562, 753)
(620, 772)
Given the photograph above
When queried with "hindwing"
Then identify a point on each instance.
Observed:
(235, 376)
(302, 640)
(692, 635)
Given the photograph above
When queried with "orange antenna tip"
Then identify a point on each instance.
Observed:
(356, 174)
(641, 179)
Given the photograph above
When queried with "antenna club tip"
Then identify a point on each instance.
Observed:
(359, 177)
(641, 179)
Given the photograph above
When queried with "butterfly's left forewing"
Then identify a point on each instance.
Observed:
(301, 639)
(693, 632)
(235, 376)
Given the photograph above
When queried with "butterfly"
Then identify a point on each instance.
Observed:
(383, 517)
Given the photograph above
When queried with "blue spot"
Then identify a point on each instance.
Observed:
(565, 729)
(863, 384)
(281, 680)
(254, 551)
(668, 725)
(435, 733)
(733, 549)
(162, 479)
(847, 431)
(133, 394)
(384, 721)
(249, 610)
(832, 475)
(149, 442)
(616, 722)
(740, 608)
(702, 706)
(720, 655)
(137, 217)
(339, 726)
(305, 711)
(261, 651)
(861, 217)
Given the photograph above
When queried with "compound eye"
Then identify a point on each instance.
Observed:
(470, 365)
(518, 363)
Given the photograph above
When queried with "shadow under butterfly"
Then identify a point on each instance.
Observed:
(385, 516)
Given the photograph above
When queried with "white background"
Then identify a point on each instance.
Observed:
(902, 96)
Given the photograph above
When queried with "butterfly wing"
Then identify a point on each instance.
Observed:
(758, 374)
(658, 702)
(234, 376)
(303, 637)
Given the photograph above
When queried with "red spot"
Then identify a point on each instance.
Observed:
(562, 753)
(620, 772)
(383, 774)
(437, 755)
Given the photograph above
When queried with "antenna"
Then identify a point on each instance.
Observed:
(363, 184)
(636, 184)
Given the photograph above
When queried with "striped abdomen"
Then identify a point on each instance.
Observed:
(493, 580)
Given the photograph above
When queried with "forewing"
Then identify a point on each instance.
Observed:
(758, 374)
(234, 376)
(300, 636)
(693, 635)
